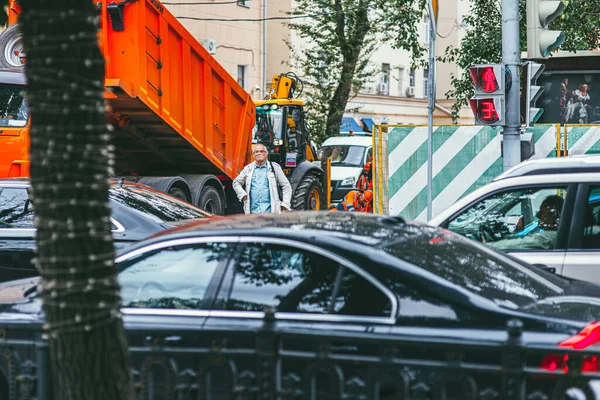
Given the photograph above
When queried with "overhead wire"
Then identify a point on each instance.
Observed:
(200, 4)
(272, 18)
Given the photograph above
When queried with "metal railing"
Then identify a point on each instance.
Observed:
(279, 362)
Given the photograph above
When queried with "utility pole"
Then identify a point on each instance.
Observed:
(432, 10)
(511, 58)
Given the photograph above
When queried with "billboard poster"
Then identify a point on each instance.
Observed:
(570, 97)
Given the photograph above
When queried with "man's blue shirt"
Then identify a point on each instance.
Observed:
(260, 196)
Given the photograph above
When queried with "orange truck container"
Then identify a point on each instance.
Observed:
(174, 108)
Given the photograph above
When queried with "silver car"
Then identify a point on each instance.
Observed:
(545, 212)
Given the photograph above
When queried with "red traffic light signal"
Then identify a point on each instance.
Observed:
(485, 79)
(487, 111)
(489, 81)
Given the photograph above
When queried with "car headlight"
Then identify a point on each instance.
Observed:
(349, 181)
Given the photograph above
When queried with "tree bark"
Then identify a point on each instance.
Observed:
(70, 162)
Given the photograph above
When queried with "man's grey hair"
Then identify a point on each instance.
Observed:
(258, 144)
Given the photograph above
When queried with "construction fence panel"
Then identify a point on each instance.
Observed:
(380, 167)
(464, 159)
(581, 139)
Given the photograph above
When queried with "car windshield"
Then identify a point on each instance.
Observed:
(154, 205)
(474, 268)
(344, 155)
(13, 108)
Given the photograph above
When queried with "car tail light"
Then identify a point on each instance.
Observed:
(588, 336)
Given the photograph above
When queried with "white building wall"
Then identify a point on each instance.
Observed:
(238, 43)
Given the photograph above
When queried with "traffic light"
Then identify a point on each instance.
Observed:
(540, 40)
(488, 104)
(531, 93)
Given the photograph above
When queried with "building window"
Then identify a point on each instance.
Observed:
(243, 3)
(241, 75)
(401, 81)
(384, 83)
(426, 82)
(411, 78)
(426, 29)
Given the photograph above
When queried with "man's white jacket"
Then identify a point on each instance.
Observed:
(243, 182)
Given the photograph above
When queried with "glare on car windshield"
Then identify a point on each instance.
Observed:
(344, 155)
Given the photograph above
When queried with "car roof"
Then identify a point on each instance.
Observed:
(349, 141)
(554, 165)
(351, 227)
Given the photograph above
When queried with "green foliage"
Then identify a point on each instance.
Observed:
(482, 42)
(341, 36)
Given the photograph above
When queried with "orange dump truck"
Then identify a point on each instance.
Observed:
(182, 124)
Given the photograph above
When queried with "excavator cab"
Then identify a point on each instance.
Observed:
(281, 127)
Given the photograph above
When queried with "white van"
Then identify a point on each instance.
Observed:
(348, 157)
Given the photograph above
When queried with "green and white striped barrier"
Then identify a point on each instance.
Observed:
(582, 139)
(465, 158)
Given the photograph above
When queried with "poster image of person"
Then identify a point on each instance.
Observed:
(569, 98)
(578, 106)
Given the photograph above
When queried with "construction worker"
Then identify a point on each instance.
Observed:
(365, 180)
(356, 201)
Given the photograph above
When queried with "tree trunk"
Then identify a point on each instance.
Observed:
(70, 162)
(352, 43)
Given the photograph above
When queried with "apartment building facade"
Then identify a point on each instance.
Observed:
(253, 49)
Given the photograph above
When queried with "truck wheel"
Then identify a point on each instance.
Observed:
(211, 201)
(12, 54)
(179, 193)
(308, 194)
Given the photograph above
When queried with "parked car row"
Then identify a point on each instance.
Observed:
(347, 273)
(332, 272)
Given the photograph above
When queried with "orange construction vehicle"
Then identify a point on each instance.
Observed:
(182, 124)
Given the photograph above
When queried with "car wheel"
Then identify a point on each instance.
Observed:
(211, 201)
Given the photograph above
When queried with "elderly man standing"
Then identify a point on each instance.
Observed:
(256, 186)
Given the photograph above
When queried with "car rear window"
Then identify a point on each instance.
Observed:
(473, 267)
(154, 205)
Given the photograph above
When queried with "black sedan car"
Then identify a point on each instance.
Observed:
(327, 304)
(138, 211)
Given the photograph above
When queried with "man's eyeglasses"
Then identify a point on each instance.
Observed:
(259, 151)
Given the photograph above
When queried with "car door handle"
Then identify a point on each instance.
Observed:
(546, 268)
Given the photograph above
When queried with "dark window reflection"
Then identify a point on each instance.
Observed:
(174, 277)
(591, 230)
(16, 211)
(13, 108)
(455, 259)
(288, 279)
(154, 205)
(357, 296)
(293, 280)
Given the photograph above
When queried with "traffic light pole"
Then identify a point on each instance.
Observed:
(511, 57)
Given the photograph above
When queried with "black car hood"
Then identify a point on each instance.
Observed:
(578, 308)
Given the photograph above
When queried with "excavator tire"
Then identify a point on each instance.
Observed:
(11, 47)
(308, 194)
